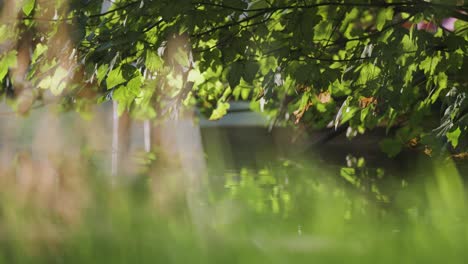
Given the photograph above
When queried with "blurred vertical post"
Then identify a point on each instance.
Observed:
(120, 126)
(177, 139)
(120, 139)
(147, 135)
(115, 138)
(115, 117)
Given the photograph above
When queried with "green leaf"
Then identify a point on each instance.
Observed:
(386, 35)
(114, 78)
(250, 71)
(8, 61)
(220, 111)
(409, 73)
(235, 73)
(236, 92)
(101, 72)
(322, 29)
(28, 6)
(196, 77)
(345, 113)
(339, 88)
(236, 3)
(336, 65)
(368, 72)
(429, 64)
(383, 16)
(121, 96)
(349, 174)
(348, 113)
(128, 71)
(259, 4)
(364, 113)
(441, 81)
(391, 146)
(153, 62)
(134, 85)
(38, 51)
(304, 73)
(5, 32)
(453, 137)
(245, 92)
(408, 43)
(56, 83)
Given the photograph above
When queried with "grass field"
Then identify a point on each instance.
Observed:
(282, 214)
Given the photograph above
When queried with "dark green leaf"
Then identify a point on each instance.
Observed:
(235, 72)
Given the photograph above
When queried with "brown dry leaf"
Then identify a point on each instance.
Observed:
(413, 142)
(366, 101)
(461, 156)
(299, 113)
(324, 97)
(428, 151)
(303, 88)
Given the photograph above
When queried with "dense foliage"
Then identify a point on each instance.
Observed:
(366, 64)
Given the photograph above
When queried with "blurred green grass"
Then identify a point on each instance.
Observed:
(281, 214)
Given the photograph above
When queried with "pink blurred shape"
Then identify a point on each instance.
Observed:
(449, 23)
(428, 26)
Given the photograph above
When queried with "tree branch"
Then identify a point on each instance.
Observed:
(349, 4)
(372, 34)
(227, 25)
(90, 16)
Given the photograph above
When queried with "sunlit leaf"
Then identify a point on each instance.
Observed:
(383, 16)
(7, 61)
(453, 137)
(220, 111)
(28, 6)
(115, 78)
(134, 85)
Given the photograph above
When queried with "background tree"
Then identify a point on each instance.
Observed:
(361, 64)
